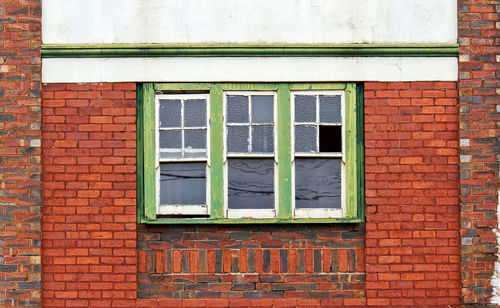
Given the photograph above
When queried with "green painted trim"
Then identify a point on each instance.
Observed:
(216, 153)
(350, 151)
(182, 86)
(360, 151)
(252, 221)
(140, 155)
(316, 86)
(249, 86)
(148, 122)
(248, 50)
(284, 153)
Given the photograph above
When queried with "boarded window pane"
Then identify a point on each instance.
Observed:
(317, 183)
(305, 108)
(250, 183)
(305, 138)
(329, 109)
(195, 113)
(183, 183)
(237, 139)
(237, 109)
(170, 113)
(262, 139)
(262, 108)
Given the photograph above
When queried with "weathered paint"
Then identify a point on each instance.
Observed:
(495, 280)
(249, 69)
(249, 21)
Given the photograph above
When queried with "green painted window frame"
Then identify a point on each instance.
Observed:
(354, 150)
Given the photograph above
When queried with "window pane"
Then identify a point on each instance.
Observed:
(237, 139)
(251, 183)
(263, 139)
(330, 138)
(329, 109)
(195, 113)
(170, 139)
(183, 183)
(305, 138)
(237, 109)
(262, 108)
(195, 138)
(305, 108)
(170, 113)
(317, 183)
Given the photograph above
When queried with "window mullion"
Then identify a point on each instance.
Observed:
(284, 152)
(216, 153)
(150, 157)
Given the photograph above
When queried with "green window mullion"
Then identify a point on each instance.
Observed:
(216, 153)
(148, 123)
(284, 153)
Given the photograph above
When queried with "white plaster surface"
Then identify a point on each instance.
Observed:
(248, 69)
(495, 280)
(248, 21)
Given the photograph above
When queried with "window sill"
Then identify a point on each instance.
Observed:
(250, 221)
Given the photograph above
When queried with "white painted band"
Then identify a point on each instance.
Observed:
(248, 69)
(249, 21)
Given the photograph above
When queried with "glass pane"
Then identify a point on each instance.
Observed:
(195, 138)
(195, 113)
(305, 138)
(263, 139)
(251, 183)
(170, 139)
(237, 139)
(329, 109)
(262, 109)
(237, 109)
(305, 108)
(170, 113)
(170, 154)
(317, 183)
(182, 183)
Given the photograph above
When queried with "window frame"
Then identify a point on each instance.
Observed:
(353, 149)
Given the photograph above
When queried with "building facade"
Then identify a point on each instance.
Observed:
(249, 153)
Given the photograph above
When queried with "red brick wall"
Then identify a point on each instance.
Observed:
(411, 172)
(245, 264)
(89, 191)
(479, 84)
(20, 153)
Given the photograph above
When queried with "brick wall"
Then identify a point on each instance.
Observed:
(89, 195)
(20, 153)
(479, 88)
(411, 172)
(252, 264)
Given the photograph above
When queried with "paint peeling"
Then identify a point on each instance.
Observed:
(495, 279)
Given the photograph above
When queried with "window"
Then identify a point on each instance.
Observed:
(250, 153)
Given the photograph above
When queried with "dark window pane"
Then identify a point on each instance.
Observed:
(317, 183)
(170, 139)
(330, 138)
(305, 138)
(262, 109)
(195, 138)
(237, 139)
(305, 108)
(251, 183)
(263, 139)
(195, 113)
(237, 109)
(170, 113)
(182, 183)
(329, 109)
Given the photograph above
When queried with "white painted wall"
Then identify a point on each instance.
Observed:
(248, 69)
(248, 21)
